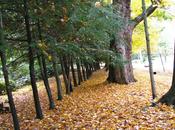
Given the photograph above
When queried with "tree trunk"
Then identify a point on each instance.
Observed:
(79, 73)
(39, 114)
(65, 77)
(87, 70)
(149, 52)
(44, 75)
(73, 73)
(169, 97)
(66, 62)
(58, 81)
(97, 65)
(123, 74)
(6, 78)
(43, 69)
(83, 71)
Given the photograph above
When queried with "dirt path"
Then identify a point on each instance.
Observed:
(97, 105)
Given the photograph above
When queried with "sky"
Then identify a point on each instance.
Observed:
(168, 34)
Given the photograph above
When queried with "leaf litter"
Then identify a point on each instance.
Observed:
(95, 104)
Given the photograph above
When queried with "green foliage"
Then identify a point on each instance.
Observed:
(3, 87)
(139, 40)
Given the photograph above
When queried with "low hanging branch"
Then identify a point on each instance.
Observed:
(140, 18)
(148, 11)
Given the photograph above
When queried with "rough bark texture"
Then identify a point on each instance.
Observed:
(123, 74)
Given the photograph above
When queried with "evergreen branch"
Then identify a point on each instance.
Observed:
(16, 39)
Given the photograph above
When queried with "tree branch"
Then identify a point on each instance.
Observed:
(17, 60)
(16, 39)
(139, 18)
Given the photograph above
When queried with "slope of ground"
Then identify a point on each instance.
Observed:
(97, 105)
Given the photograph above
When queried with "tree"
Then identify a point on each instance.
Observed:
(169, 97)
(39, 114)
(123, 74)
(148, 50)
(6, 76)
(43, 68)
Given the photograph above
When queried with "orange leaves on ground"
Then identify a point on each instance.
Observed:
(98, 105)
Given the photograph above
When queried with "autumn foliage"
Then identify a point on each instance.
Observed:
(96, 105)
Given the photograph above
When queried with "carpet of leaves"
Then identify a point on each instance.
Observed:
(97, 105)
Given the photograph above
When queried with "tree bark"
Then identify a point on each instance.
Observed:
(83, 71)
(79, 73)
(65, 77)
(73, 73)
(149, 51)
(58, 81)
(43, 69)
(123, 73)
(39, 114)
(66, 64)
(44, 75)
(87, 70)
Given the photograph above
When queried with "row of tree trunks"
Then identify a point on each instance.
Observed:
(84, 70)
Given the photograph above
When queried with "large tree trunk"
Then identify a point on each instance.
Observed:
(169, 97)
(123, 73)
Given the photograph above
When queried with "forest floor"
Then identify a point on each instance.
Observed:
(97, 105)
